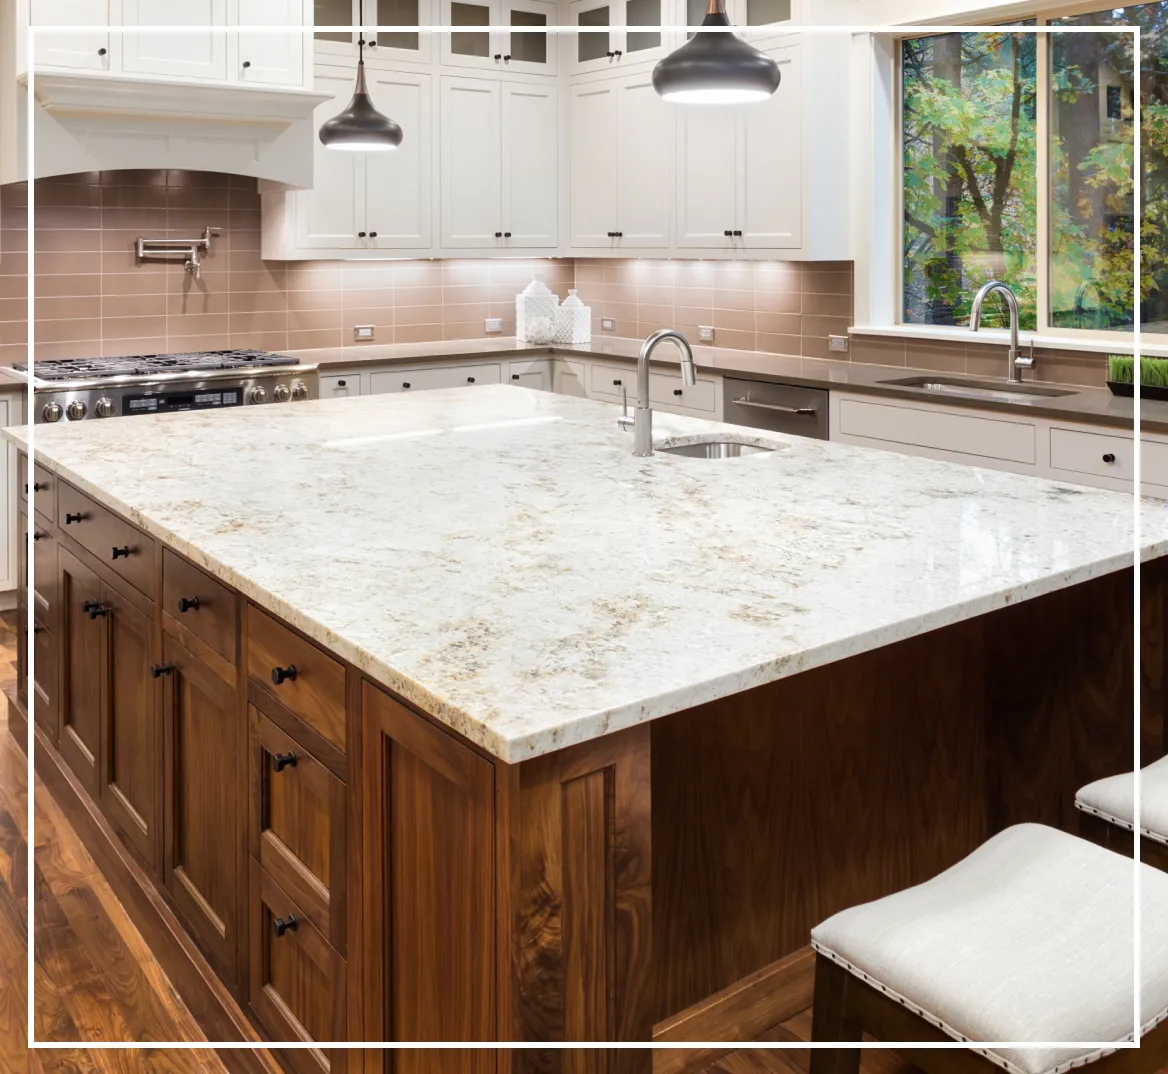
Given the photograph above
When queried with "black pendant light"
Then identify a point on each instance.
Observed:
(360, 127)
(716, 66)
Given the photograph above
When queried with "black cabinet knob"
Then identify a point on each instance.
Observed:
(246, 64)
(71, 518)
(340, 383)
(611, 55)
(39, 536)
(498, 234)
(280, 761)
(405, 384)
(612, 234)
(122, 553)
(498, 55)
(158, 670)
(1109, 458)
(38, 629)
(507, 58)
(373, 234)
(188, 604)
(98, 609)
(514, 376)
(284, 924)
(619, 234)
(677, 391)
(287, 674)
(101, 51)
(728, 233)
(738, 234)
(618, 54)
(617, 383)
(506, 234)
(37, 486)
(360, 234)
(470, 380)
(88, 605)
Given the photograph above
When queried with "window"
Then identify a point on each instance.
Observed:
(984, 196)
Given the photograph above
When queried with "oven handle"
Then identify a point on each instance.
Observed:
(802, 411)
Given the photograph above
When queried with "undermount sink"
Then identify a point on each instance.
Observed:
(718, 447)
(999, 390)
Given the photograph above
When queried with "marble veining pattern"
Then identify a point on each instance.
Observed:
(498, 557)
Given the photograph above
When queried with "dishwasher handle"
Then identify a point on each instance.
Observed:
(804, 411)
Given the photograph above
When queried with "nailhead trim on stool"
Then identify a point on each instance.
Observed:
(1113, 800)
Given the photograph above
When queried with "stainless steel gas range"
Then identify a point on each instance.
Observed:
(75, 389)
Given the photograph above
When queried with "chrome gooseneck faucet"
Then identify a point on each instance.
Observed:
(643, 415)
(1015, 361)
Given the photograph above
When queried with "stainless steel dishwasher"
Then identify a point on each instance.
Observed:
(782, 408)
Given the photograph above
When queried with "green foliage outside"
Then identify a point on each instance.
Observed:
(1121, 368)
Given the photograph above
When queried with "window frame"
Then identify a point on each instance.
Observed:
(1087, 337)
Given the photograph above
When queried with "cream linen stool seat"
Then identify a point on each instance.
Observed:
(1108, 808)
(1027, 939)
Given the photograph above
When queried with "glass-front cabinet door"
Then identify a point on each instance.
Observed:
(643, 37)
(594, 45)
(388, 44)
(528, 45)
(625, 32)
(748, 14)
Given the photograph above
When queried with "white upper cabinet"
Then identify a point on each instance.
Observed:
(385, 46)
(499, 164)
(755, 17)
(634, 32)
(522, 43)
(75, 50)
(530, 182)
(740, 169)
(175, 55)
(398, 207)
(526, 45)
(269, 57)
(621, 172)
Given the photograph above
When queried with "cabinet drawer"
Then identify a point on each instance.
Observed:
(312, 683)
(406, 380)
(297, 827)
(614, 381)
(44, 646)
(44, 561)
(1107, 455)
(43, 487)
(205, 607)
(337, 387)
(965, 434)
(668, 390)
(296, 980)
(123, 548)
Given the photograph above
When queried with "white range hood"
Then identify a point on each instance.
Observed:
(98, 122)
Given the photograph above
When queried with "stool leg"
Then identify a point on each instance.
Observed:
(830, 1021)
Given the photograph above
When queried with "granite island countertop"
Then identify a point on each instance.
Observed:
(499, 558)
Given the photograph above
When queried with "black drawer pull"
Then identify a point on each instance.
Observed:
(98, 609)
(38, 629)
(122, 553)
(738, 234)
(158, 670)
(728, 234)
(373, 234)
(1109, 458)
(514, 376)
(101, 52)
(470, 380)
(405, 384)
(284, 924)
(88, 605)
(360, 234)
(616, 383)
(280, 761)
(37, 486)
(188, 604)
(71, 518)
(506, 234)
(39, 536)
(280, 675)
(677, 391)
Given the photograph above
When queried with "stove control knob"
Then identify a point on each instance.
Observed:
(52, 412)
(299, 390)
(104, 408)
(257, 395)
(282, 393)
(76, 410)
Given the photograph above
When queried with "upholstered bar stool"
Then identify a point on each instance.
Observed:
(1027, 939)
(1108, 808)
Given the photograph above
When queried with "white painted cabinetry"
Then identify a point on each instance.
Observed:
(268, 57)
(423, 378)
(175, 55)
(76, 50)
(536, 374)
(520, 42)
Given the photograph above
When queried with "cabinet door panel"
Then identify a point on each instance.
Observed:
(707, 175)
(132, 764)
(330, 215)
(398, 184)
(205, 744)
(269, 57)
(175, 55)
(772, 163)
(428, 832)
(77, 50)
(528, 45)
(593, 166)
(530, 164)
(644, 162)
(471, 163)
(81, 664)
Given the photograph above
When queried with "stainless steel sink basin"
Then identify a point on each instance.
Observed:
(998, 390)
(717, 447)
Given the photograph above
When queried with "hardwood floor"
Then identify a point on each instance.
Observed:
(95, 978)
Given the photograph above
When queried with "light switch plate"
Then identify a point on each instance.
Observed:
(607, 324)
(493, 324)
(841, 344)
(364, 333)
(705, 333)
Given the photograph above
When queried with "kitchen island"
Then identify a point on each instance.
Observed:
(443, 717)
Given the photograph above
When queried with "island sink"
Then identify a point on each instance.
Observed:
(518, 737)
(715, 447)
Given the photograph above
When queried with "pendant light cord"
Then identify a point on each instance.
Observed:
(361, 32)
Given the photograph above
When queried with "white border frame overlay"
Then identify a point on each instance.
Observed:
(891, 32)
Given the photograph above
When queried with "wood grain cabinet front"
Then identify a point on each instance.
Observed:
(303, 678)
(297, 825)
(203, 845)
(44, 570)
(81, 670)
(115, 543)
(296, 984)
(194, 601)
(41, 490)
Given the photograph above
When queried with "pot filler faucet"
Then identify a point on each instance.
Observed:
(1015, 362)
(643, 415)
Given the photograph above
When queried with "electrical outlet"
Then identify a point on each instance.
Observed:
(364, 333)
(705, 333)
(607, 324)
(841, 344)
(493, 324)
